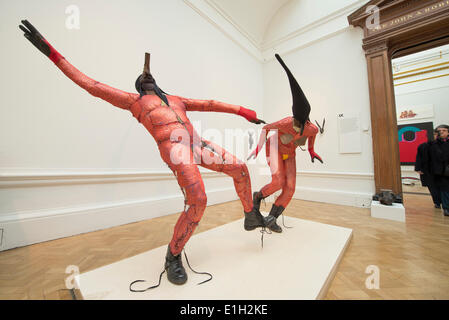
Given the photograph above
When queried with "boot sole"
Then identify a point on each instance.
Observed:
(270, 226)
(178, 283)
(252, 228)
(277, 231)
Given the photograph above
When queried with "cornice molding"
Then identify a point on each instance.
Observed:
(299, 31)
(215, 15)
(239, 28)
(228, 28)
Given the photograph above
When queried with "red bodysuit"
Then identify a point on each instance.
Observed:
(162, 121)
(281, 156)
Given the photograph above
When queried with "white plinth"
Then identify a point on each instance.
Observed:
(299, 263)
(394, 212)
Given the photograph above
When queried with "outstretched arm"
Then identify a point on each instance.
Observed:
(262, 139)
(114, 96)
(217, 106)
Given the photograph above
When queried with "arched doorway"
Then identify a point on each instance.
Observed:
(394, 28)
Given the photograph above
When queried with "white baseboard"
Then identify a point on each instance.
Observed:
(34, 227)
(361, 200)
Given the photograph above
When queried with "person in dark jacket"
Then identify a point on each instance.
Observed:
(422, 166)
(439, 161)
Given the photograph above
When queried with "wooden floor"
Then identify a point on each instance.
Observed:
(412, 257)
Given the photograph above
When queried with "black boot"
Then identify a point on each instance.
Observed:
(176, 273)
(257, 199)
(446, 212)
(270, 220)
(253, 220)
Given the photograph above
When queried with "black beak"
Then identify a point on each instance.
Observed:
(146, 74)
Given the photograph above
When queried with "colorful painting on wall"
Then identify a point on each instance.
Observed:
(406, 113)
(410, 137)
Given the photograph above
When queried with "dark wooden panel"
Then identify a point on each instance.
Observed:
(383, 120)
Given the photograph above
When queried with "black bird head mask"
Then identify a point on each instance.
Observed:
(301, 107)
(145, 82)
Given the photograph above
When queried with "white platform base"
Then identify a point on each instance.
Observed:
(299, 263)
(394, 212)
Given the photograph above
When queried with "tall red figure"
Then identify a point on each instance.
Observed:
(165, 118)
(290, 133)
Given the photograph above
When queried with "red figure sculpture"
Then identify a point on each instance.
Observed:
(165, 118)
(291, 132)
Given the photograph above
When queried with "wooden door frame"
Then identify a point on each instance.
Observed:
(405, 27)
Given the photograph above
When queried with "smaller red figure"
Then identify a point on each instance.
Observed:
(291, 132)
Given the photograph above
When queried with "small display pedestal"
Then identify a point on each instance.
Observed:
(394, 212)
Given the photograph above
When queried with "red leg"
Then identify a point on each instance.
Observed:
(277, 169)
(191, 183)
(289, 186)
(215, 158)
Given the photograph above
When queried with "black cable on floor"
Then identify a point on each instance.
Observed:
(284, 223)
(207, 273)
(160, 278)
(143, 290)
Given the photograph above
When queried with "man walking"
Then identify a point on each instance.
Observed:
(439, 158)
(422, 166)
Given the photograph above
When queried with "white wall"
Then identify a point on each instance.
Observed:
(431, 87)
(437, 96)
(71, 163)
(296, 14)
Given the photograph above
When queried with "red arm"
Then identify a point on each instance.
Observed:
(217, 106)
(311, 143)
(262, 139)
(114, 96)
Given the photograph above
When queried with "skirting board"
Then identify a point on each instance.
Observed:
(35, 227)
(298, 264)
(353, 199)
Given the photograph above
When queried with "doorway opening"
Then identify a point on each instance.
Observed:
(421, 91)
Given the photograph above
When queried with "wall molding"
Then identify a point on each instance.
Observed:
(292, 46)
(26, 228)
(225, 25)
(35, 178)
(350, 195)
(343, 12)
(229, 19)
(212, 13)
(420, 90)
(329, 174)
(346, 198)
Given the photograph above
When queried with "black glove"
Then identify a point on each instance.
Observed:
(258, 121)
(31, 33)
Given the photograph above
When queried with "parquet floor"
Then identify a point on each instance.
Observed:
(412, 257)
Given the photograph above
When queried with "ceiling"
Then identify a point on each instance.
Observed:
(253, 25)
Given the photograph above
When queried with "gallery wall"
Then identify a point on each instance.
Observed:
(71, 163)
